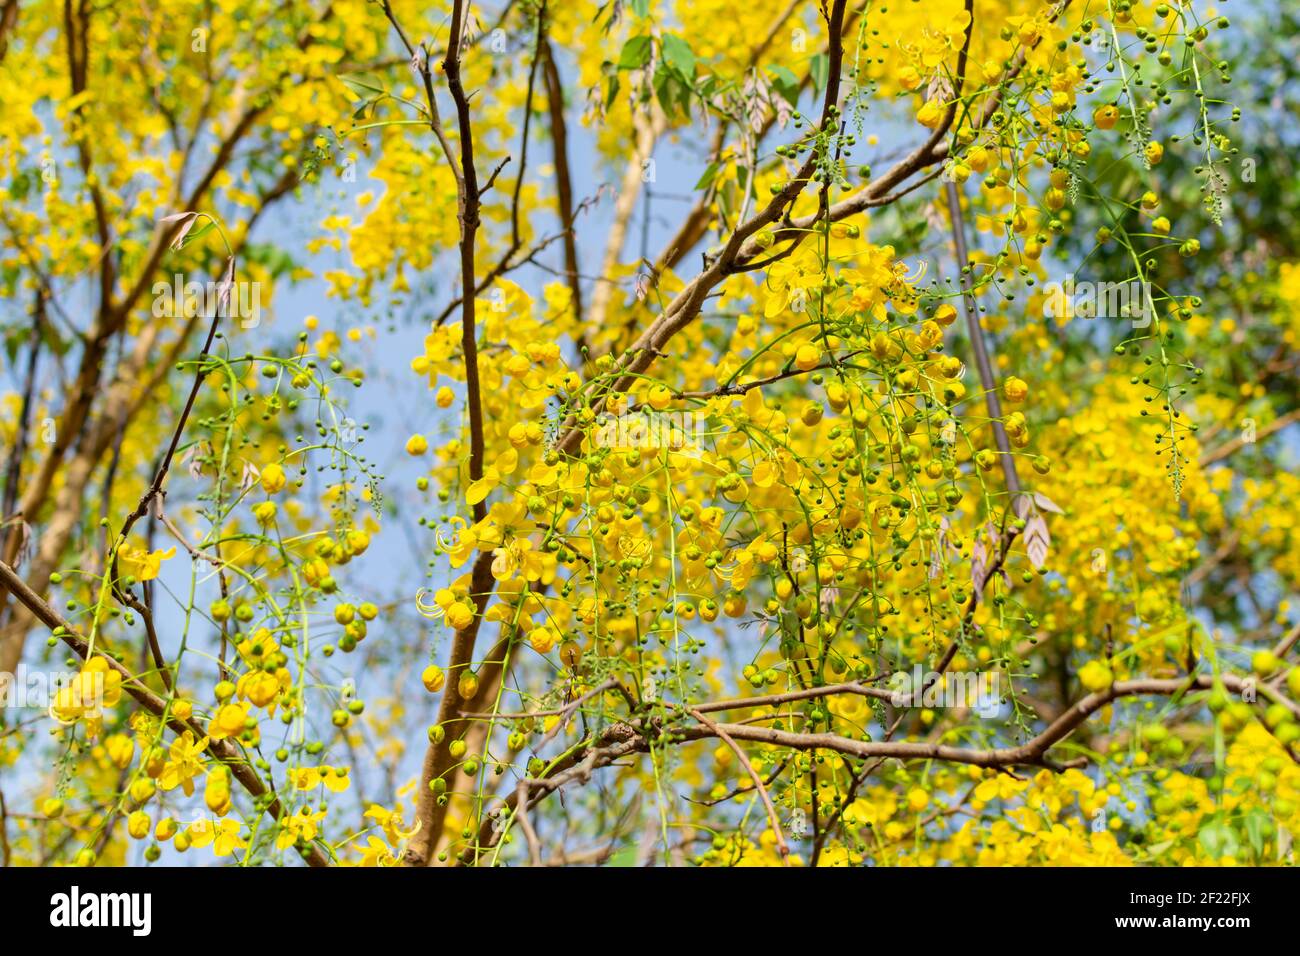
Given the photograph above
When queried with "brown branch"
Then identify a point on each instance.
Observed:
(430, 811)
(686, 306)
(155, 487)
(565, 712)
(1229, 448)
(5, 853)
(76, 28)
(1032, 752)
(563, 174)
(634, 736)
(810, 693)
(13, 473)
(521, 813)
(695, 225)
(8, 20)
(1287, 642)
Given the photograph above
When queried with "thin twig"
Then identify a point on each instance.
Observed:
(781, 846)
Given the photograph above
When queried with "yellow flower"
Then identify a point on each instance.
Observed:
(309, 778)
(315, 571)
(305, 778)
(140, 564)
(542, 639)
(302, 825)
(1095, 676)
(417, 445)
(259, 687)
(142, 789)
(999, 787)
(390, 821)
(264, 512)
(121, 749)
(459, 615)
(335, 779)
(931, 334)
(228, 722)
(216, 792)
(930, 114)
(95, 687)
(358, 541)
(1015, 389)
(223, 836)
(273, 479)
(183, 763)
(377, 853)
(519, 556)
(137, 825)
(938, 43)
(951, 367)
(807, 357)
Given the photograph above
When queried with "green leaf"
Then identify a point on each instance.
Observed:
(641, 8)
(611, 77)
(12, 342)
(786, 83)
(364, 85)
(678, 56)
(635, 53)
(624, 857)
(728, 198)
(57, 343)
(1218, 839)
(22, 185)
(820, 69)
(665, 91)
(684, 92)
(1258, 827)
(710, 174)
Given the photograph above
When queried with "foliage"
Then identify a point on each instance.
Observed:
(924, 498)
